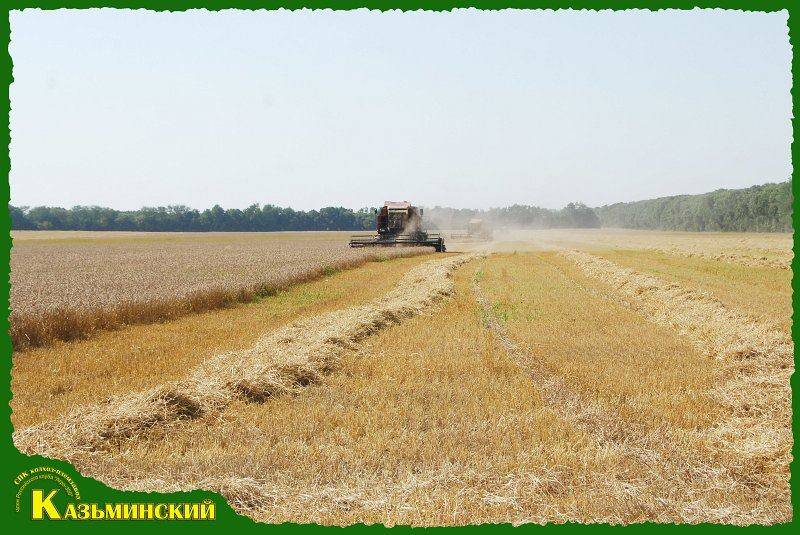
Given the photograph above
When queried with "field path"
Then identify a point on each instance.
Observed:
(283, 361)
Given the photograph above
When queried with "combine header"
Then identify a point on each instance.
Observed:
(399, 223)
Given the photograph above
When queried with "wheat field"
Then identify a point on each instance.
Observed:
(68, 285)
(549, 377)
(48, 381)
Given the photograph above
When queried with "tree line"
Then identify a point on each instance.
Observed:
(764, 208)
(184, 219)
(574, 215)
(273, 218)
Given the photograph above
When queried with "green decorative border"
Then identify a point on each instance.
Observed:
(13, 462)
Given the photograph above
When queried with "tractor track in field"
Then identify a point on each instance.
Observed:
(282, 362)
(679, 477)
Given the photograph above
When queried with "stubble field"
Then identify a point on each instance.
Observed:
(596, 376)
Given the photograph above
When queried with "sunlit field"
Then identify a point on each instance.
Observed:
(68, 285)
(546, 376)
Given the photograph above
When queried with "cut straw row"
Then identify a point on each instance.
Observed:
(283, 361)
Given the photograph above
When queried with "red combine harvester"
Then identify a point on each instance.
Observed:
(399, 223)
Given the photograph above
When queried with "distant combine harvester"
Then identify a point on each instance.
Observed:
(399, 223)
(477, 230)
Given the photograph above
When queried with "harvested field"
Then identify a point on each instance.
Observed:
(555, 377)
(281, 362)
(756, 361)
(636, 387)
(764, 294)
(772, 250)
(66, 375)
(434, 433)
(68, 285)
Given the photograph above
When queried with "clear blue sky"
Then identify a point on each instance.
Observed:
(466, 109)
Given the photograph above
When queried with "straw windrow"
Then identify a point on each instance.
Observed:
(282, 361)
(681, 468)
(756, 365)
(744, 259)
(43, 322)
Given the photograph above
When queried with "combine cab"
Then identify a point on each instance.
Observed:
(399, 223)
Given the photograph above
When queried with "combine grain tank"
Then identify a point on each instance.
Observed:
(399, 223)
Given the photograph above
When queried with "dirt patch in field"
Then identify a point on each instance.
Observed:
(284, 361)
